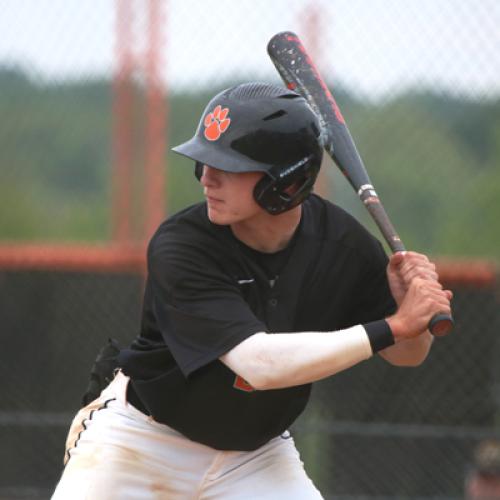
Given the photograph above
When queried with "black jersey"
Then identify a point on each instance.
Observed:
(205, 294)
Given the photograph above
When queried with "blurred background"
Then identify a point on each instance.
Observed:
(93, 95)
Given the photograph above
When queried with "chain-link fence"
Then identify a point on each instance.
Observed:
(93, 94)
(392, 433)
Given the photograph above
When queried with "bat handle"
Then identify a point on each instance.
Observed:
(441, 324)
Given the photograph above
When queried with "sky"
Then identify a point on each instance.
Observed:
(373, 47)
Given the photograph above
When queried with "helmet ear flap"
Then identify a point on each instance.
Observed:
(266, 194)
(274, 197)
(280, 190)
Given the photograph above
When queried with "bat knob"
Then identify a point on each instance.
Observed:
(441, 324)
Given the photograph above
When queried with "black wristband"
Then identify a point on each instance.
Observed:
(379, 334)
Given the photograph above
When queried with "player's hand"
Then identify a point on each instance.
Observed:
(403, 268)
(424, 299)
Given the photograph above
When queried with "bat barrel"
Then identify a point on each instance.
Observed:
(299, 73)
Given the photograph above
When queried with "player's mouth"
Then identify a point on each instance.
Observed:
(213, 201)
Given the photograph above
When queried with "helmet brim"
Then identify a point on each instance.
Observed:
(226, 160)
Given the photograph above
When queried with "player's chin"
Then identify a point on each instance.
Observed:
(217, 216)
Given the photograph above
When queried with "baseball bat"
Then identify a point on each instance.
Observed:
(300, 74)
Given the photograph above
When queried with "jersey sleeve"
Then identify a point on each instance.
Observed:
(374, 300)
(198, 307)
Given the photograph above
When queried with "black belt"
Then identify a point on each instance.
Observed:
(134, 399)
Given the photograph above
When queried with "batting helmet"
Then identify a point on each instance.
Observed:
(258, 127)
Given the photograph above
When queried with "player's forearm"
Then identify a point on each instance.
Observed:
(274, 361)
(411, 352)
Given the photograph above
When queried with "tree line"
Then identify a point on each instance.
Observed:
(434, 159)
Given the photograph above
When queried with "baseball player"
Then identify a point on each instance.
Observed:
(251, 297)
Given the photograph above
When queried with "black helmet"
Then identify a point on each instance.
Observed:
(258, 127)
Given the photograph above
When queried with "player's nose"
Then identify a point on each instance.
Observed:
(210, 176)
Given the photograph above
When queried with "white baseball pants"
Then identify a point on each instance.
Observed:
(115, 452)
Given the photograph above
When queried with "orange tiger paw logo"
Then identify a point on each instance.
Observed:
(216, 123)
(241, 384)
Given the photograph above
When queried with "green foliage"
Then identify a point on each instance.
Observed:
(435, 163)
(54, 159)
(434, 159)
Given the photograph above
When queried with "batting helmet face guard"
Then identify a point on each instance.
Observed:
(258, 127)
